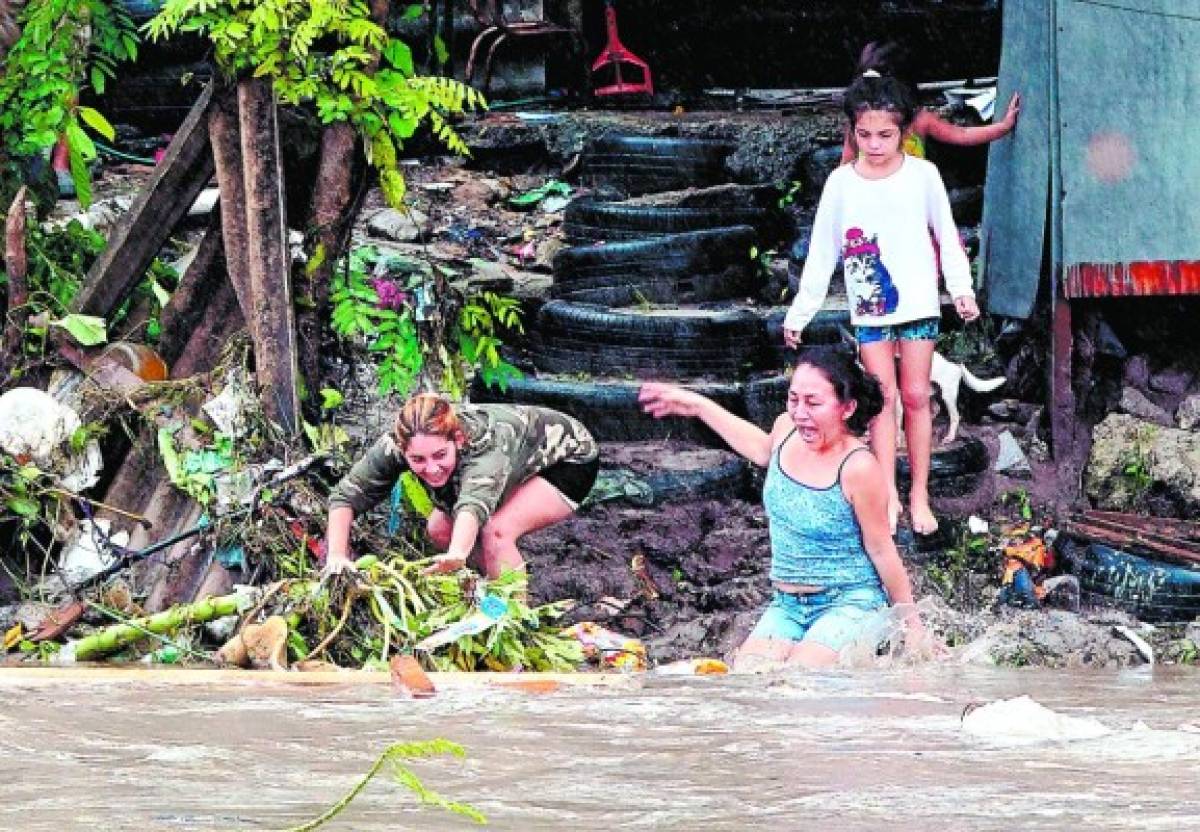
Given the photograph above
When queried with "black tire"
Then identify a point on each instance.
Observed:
(966, 204)
(704, 473)
(829, 328)
(579, 337)
(765, 398)
(1151, 590)
(636, 165)
(817, 165)
(610, 409)
(680, 268)
(587, 220)
(964, 458)
(730, 478)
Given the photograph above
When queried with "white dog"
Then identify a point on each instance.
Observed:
(948, 377)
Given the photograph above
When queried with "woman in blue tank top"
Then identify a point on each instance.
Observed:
(834, 565)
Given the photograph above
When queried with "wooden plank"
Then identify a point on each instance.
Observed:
(197, 286)
(273, 326)
(223, 677)
(1063, 422)
(1139, 535)
(140, 233)
(1166, 526)
(227, 159)
(1133, 542)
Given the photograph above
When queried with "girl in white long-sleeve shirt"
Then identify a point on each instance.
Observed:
(880, 216)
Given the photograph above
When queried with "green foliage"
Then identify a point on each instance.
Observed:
(791, 192)
(396, 755)
(1019, 499)
(404, 311)
(1135, 467)
(407, 606)
(66, 47)
(58, 260)
(327, 54)
(972, 344)
(194, 471)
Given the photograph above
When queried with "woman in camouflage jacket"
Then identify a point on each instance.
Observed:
(495, 472)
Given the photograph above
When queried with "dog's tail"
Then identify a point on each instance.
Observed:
(980, 385)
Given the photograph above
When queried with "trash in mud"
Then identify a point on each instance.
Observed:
(608, 648)
(35, 429)
(1027, 561)
(552, 195)
(693, 667)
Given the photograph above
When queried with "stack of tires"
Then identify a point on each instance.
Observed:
(655, 288)
(658, 282)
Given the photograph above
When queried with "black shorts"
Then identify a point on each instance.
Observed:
(572, 479)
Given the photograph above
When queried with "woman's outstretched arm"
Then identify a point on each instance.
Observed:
(744, 437)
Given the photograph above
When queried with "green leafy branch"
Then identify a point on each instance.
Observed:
(66, 47)
(396, 755)
(330, 54)
(405, 325)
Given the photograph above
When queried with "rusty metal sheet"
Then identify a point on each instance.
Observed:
(1018, 173)
(1129, 91)
(1160, 277)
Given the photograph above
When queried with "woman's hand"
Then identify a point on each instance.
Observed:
(337, 565)
(1014, 111)
(661, 400)
(919, 641)
(445, 564)
(966, 307)
(791, 337)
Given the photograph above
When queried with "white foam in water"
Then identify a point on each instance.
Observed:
(1022, 720)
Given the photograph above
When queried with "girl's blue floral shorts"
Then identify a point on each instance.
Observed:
(925, 329)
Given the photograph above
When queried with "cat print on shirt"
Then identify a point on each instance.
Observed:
(867, 278)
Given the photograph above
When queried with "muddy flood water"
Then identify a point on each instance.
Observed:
(847, 750)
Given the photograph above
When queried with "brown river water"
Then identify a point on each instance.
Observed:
(847, 750)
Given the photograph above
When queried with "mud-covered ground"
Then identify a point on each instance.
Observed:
(704, 577)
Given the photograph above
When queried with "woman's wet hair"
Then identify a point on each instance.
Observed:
(850, 380)
(426, 413)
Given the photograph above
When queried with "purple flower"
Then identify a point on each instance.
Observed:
(390, 295)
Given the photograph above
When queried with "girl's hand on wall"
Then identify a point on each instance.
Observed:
(967, 308)
(1014, 111)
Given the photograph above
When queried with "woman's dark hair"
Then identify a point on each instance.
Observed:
(879, 92)
(851, 383)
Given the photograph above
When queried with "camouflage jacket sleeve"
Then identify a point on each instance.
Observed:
(371, 479)
(485, 479)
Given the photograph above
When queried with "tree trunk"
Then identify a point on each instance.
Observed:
(16, 264)
(273, 325)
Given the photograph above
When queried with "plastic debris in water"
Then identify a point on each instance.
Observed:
(1023, 720)
(694, 667)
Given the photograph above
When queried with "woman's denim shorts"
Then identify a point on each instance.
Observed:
(833, 618)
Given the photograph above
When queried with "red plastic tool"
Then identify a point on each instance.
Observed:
(615, 55)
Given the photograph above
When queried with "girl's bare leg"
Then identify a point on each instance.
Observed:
(916, 362)
(879, 359)
(439, 527)
(533, 505)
